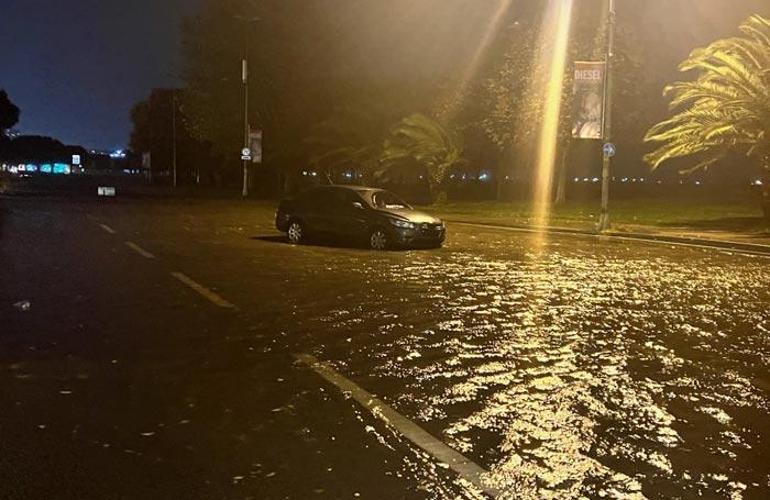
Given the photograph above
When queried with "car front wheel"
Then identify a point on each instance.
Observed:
(378, 240)
(296, 232)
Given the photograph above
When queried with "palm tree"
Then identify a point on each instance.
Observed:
(726, 108)
(423, 140)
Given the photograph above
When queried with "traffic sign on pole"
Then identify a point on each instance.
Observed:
(609, 150)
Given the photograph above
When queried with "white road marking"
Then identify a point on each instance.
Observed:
(463, 466)
(202, 290)
(107, 228)
(141, 251)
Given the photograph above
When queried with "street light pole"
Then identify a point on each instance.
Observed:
(245, 69)
(604, 221)
(173, 133)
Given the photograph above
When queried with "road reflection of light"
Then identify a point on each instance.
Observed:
(586, 374)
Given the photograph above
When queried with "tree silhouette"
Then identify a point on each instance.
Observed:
(9, 113)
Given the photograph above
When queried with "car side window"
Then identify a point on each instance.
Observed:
(349, 198)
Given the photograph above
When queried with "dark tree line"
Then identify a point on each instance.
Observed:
(335, 83)
(161, 131)
(331, 79)
(29, 148)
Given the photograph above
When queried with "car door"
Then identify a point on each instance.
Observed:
(348, 217)
(332, 211)
(314, 210)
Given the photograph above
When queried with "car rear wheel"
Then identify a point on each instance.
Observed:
(296, 232)
(378, 240)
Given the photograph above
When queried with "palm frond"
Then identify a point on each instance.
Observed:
(725, 108)
(424, 141)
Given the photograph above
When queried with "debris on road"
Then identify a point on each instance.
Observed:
(23, 306)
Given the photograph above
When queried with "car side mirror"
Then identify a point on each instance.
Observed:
(358, 205)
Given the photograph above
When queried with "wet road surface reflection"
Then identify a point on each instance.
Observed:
(567, 367)
(587, 368)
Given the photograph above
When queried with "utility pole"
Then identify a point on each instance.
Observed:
(604, 221)
(245, 126)
(173, 133)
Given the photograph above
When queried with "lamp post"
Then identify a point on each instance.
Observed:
(173, 134)
(248, 22)
(245, 71)
(604, 220)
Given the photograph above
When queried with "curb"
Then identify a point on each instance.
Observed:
(750, 248)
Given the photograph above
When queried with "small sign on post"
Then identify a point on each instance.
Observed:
(106, 191)
(609, 150)
(246, 154)
(76, 160)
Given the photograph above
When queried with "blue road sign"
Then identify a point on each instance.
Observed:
(609, 150)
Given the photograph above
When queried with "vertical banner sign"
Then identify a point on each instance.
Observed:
(589, 100)
(147, 161)
(255, 139)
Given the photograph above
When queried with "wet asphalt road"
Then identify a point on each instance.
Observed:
(566, 366)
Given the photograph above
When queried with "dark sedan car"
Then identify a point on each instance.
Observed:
(377, 217)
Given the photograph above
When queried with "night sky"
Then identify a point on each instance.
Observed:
(76, 67)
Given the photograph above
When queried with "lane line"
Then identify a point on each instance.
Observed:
(108, 228)
(141, 251)
(610, 237)
(464, 467)
(203, 291)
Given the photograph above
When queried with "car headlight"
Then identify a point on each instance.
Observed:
(402, 224)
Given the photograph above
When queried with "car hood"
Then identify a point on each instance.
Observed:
(410, 215)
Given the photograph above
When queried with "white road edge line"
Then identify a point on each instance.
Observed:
(202, 290)
(141, 251)
(107, 228)
(464, 467)
(726, 250)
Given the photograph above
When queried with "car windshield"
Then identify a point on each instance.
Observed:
(388, 200)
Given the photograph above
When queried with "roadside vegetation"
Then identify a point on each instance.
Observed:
(738, 215)
(725, 109)
(361, 98)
